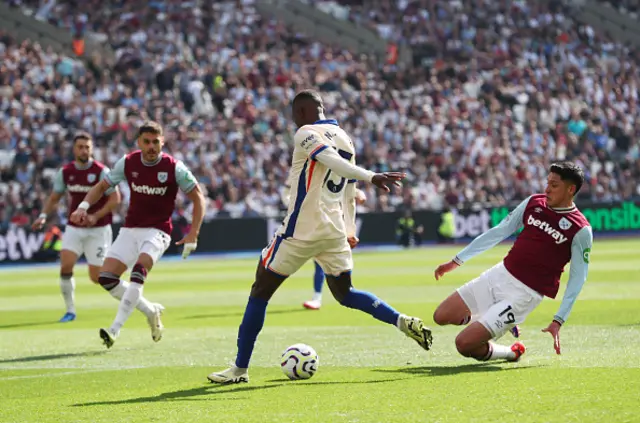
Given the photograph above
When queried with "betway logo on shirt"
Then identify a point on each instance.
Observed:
(545, 227)
(79, 188)
(146, 189)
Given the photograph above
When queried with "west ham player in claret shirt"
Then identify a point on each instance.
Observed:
(554, 233)
(93, 237)
(154, 179)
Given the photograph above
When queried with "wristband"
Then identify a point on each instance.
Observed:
(558, 320)
(42, 216)
(84, 205)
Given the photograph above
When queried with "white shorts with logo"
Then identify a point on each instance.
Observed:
(131, 242)
(498, 300)
(286, 256)
(92, 242)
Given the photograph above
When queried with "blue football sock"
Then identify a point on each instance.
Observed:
(318, 279)
(250, 327)
(369, 303)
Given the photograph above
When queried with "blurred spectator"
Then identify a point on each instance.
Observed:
(506, 87)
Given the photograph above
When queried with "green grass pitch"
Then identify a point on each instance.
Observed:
(369, 372)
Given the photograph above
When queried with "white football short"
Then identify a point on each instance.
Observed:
(92, 242)
(498, 300)
(131, 242)
(286, 256)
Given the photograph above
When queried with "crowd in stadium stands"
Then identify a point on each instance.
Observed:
(513, 85)
(626, 7)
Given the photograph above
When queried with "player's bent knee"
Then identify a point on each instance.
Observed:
(266, 283)
(465, 345)
(440, 316)
(146, 261)
(340, 287)
(138, 273)
(94, 274)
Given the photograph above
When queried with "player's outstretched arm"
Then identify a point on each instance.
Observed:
(331, 159)
(487, 240)
(189, 185)
(310, 142)
(49, 206)
(580, 256)
(59, 189)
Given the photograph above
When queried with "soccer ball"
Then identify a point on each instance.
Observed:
(299, 361)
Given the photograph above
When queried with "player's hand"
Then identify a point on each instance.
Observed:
(554, 330)
(353, 241)
(190, 242)
(360, 196)
(38, 223)
(445, 268)
(90, 220)
(79, 216)
(382, 180)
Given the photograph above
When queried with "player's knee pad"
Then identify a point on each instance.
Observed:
(138, 273)
(66, 275)
(108, 280)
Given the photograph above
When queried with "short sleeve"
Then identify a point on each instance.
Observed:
(117, 173)
(103, 175)
(310, 142)
(184, 178)
(58, 182)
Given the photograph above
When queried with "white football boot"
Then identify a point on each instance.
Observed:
(232, 375)
(415, 329)
(155, 324)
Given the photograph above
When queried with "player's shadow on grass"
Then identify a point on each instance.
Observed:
(241, 313)
(51, 357)
(189, 394)
(27, 324)
(451, 370)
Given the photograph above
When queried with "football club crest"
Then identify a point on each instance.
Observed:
(162, 177)
(564, 224)
(538, 210)
(91, 178)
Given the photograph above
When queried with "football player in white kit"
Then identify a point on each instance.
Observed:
(320, 224)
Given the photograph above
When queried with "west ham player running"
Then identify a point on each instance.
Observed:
(154, 179)
(91, 238)
(555, 232)
(317, 226)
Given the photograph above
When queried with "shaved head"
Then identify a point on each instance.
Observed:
(307, 107)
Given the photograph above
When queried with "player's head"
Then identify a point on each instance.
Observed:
(307, 108)
(563, 182)
(150, 140)
(82, 147)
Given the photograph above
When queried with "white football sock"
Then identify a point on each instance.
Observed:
(67, 288)
(399, 324)
(127, 304)
(143, 305)
(501, 352)
(317, 296)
